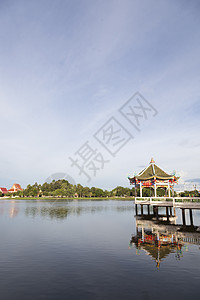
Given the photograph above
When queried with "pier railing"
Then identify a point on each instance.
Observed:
(169, 200)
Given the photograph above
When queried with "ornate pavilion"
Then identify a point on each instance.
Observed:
(154, 177)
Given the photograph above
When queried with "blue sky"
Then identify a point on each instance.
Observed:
(66, 67)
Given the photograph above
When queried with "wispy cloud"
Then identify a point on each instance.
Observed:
(66, 66)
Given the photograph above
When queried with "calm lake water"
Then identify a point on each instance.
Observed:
(92, 250)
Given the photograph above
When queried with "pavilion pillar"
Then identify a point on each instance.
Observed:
(140, 189)
(173, 190)
(155, 192)
(135, 191)
(157, 236)
(168, 190)
(142, 233)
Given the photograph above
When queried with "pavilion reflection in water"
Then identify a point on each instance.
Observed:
(159, 238)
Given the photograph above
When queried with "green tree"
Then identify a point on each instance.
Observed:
(160, 192)
(93, 191)
(79, 190)
(99, 193)
(86, 192)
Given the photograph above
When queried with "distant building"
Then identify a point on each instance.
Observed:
(15, 188)
(3, 190)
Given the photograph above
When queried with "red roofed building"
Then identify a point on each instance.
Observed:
(15, 188)
(3, 190)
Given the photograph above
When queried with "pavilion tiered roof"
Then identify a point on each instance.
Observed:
(153, 171)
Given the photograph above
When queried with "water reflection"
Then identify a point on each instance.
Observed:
(60, 212)
(52, 212)
(160, 238)
(59, 209)
(12, 210)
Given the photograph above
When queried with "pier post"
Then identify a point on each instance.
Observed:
(157, 212)
(136, 211)
(183, 216)
(154, 212)
(142, 209)
(174, 212)
(170, 211)
(191, 217)
(148, 209)
(167, 213)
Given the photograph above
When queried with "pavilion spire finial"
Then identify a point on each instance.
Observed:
(152, 161)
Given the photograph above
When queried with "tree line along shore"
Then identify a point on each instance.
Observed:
(63, 189)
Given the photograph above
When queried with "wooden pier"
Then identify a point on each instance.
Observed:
(170, 203)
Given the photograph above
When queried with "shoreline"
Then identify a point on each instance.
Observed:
(66, 198)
